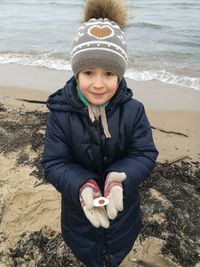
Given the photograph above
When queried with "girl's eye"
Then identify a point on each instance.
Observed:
(109, 73)
(87, 73)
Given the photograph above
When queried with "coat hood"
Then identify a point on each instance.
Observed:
(66, 99)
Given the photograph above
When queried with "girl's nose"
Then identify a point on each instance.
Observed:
(98, 82)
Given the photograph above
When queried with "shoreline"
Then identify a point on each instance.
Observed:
(155, 95)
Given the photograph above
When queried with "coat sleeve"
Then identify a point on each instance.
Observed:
(59, 168)
(141, 154)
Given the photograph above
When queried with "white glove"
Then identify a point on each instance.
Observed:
(96, 215)
(113, 190)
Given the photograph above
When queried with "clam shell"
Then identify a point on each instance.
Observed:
(100, 202)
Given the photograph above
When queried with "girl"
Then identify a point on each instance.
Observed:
(98, 142)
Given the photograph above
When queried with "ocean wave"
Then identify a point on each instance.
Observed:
(166, 77)
(189, 4)
(42, 3)
(181, 43)
(149, 25)
(64, 3)
(49, 61)
(44, 60)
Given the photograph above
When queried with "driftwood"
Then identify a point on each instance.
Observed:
(170, 132)
(32, 101)
(177, 159)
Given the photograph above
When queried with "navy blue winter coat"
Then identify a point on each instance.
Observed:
(76, 150)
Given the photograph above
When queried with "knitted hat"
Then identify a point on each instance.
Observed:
(99, 41)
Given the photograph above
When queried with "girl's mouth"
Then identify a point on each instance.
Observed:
(98, 94)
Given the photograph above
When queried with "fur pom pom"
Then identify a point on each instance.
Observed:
(114, 10)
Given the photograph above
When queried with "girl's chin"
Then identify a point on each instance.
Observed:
(97, 100)
(97, 103)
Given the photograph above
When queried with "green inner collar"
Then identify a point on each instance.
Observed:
(84, 100)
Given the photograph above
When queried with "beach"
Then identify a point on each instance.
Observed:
(27, 206)
(162, 71)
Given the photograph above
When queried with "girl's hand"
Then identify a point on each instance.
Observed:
(96, 215)
(113, 190)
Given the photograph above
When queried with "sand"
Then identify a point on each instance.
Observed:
(173, 111)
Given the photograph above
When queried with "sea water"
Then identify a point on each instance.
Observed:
(163, 37)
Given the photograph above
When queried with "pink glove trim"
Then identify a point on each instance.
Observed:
(109, 186)
(89, 184)
(92, 184)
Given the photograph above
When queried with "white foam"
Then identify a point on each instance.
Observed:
(48, 61)
(165, 77)
(43, 60)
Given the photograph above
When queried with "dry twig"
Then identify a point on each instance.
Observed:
(177, 159)
(170, 132)
(32, 101)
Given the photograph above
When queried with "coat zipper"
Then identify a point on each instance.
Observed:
(102, 142)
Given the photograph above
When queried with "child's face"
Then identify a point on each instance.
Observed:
(98, 85)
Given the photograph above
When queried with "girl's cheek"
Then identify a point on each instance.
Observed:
(114, 87)
(82, 86)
